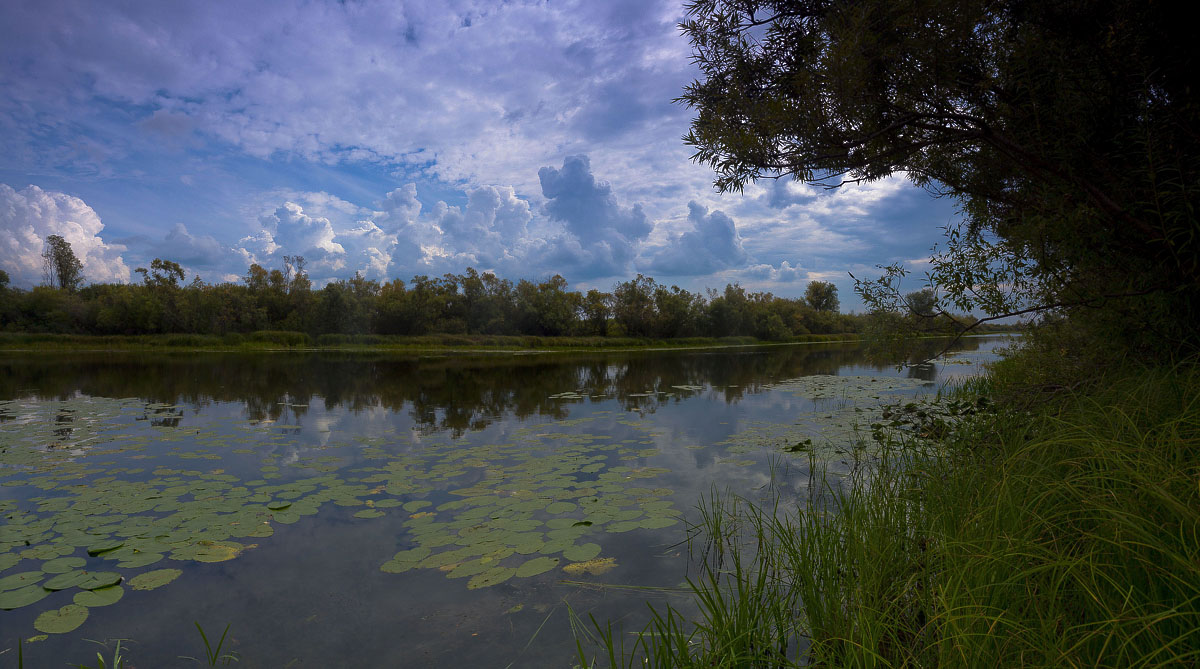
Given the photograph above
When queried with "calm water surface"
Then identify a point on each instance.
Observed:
(363, 510)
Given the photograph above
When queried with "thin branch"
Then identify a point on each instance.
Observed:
(1045, 307)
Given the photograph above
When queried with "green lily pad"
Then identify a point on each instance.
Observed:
(100, 597)
(278, 506)
(15, 599)
(105, 546)
(582, 552)
(416, 505)
(154, 579)
(493, 576)
(20, 580)
(396, 566)
(100, 579)
(369, 513)
(539, 565)
(471, 568)
(61, 621)
(67, 580)
(209, 551)
(8, 560)
(140, 559)
(560, 508)
(413, 554)
(658, 522)
(62, 565)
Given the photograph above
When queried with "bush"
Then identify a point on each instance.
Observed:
(281, 338)
(189, 340)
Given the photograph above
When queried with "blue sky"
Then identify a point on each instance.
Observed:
(393, 139)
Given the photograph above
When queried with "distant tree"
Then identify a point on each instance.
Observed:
(596, 308)
(4, 280)
(729, 312)
(256, 278)
(162, 274)
(822, 296)
(677, 312)
(295, 278)
(921, 303)
(547, 308)
(633, 305)
(60, 267)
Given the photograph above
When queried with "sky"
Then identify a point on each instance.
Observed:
(395, 139)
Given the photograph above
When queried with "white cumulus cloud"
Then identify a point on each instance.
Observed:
(713, 244)
(31, 214)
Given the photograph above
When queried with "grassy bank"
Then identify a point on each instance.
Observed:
(275, 340)
(1060, 529)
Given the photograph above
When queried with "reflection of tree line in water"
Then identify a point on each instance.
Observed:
(455, 393)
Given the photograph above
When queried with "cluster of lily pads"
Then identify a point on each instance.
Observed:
(110, 506)
(528, 515)
(846, 409)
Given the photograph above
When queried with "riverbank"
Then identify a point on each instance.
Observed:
(298, 341)
(1058, 527)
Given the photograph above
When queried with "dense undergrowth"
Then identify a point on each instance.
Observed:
(1059, 528)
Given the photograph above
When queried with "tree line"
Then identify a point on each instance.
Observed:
(468, 303)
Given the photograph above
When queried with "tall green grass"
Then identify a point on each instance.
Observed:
(1065, 533)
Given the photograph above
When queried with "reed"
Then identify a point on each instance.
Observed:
(1063, 532)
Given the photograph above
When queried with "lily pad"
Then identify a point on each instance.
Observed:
(99, 579)
(67, 580)
(278, 506)
(539, 565)
(209, 551)
(100, 597)
(369, 513)
(493, 576)
(595, 567)
(8, 560)
(62, 565)
(658, 522)
(20, 580)
(101, 547)
(469, 568)
(140, 559)
(61, 621)
(154, 579)
(582, 552)
(15, 599)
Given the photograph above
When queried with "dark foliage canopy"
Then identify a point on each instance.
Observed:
(1068, 130)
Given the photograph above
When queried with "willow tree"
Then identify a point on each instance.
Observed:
(1067, 131)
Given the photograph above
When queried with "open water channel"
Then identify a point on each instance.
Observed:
(370, 510)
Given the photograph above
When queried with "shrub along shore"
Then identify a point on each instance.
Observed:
(274, 340)
(1058, 527)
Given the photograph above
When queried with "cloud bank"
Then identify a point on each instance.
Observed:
(712, 245)
(31, 214)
